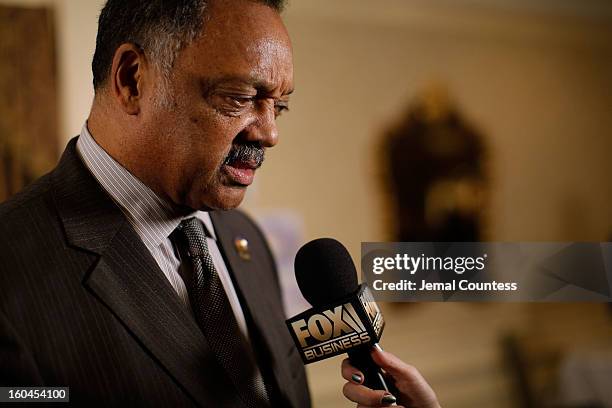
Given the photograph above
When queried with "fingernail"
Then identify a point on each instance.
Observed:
(388, 399)
(377, 347)
(357, 378)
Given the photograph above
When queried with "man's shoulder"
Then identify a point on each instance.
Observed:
(27, 214)
(31, 211)
(34, 197)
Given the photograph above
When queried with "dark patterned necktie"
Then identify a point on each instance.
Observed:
(214, 315)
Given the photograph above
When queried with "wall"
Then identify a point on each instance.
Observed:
(534, 78)
(537, 84)
(538, 87)
(76, 22)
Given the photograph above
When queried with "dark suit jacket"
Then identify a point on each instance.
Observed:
(83, 304)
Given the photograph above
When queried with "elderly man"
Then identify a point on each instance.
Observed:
(119, 277)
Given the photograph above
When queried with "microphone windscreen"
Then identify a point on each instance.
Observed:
(325, 271)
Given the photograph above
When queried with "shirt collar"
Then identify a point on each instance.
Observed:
(207, 221)
(152, 217)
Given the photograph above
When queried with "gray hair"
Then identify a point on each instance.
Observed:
(162, 28)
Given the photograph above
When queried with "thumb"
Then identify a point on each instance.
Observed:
(391, 364)
(414, 390)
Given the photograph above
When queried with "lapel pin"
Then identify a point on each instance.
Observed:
(242, 246)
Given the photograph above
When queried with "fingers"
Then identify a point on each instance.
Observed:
(366, 396)
(414, 390)
(350, 373)
(396, 367)
(370, 406)
(354, 391)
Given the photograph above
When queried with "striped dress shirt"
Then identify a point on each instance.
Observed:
(154, 220)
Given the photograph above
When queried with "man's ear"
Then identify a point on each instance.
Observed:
(128, 77)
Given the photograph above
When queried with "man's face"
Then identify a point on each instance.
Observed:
(225, 91)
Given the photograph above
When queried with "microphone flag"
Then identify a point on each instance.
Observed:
(327, 331)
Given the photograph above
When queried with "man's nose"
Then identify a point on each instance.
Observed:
(264, 129)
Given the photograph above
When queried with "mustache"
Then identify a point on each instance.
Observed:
(249, 152)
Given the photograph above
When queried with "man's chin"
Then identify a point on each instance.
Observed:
(227, 198)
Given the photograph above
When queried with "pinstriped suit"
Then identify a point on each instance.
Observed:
(83, 304)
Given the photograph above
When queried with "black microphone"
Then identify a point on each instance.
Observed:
(344, 317)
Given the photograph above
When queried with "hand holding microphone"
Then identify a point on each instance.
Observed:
(411, 388)
(345, 318)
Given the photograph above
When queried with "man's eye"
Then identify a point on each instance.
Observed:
(238, 101)
(281, 107)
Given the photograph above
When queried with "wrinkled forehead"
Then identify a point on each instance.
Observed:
(242, 36)
(245, 26)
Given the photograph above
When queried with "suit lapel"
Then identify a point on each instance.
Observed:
(128, 281)
(257, 295)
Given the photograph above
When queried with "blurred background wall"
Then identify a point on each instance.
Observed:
(533, 77)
